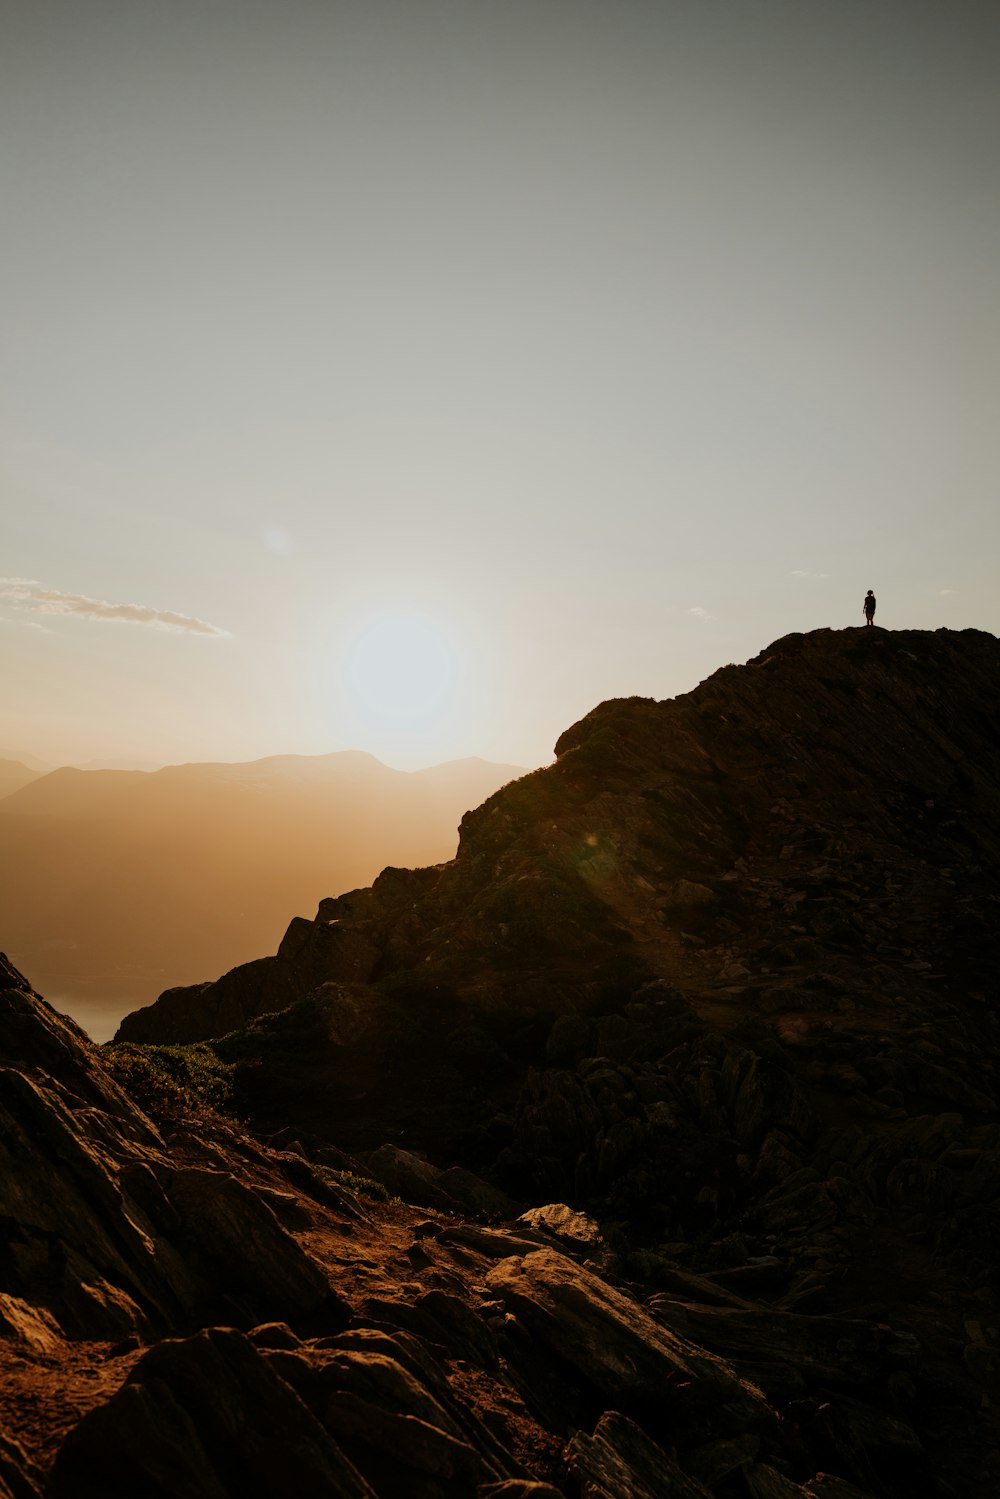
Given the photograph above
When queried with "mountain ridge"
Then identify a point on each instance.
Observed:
(683, 1077)
(590, 851)
(14, 774)
(115, 782)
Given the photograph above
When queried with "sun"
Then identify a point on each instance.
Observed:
(400, 674)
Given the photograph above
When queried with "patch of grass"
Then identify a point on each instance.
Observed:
(170, 1082)
(358, 1186)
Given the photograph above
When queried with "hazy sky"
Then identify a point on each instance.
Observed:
(412, 376)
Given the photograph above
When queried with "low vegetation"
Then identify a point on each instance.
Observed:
(358, 1186)
(171, 1082)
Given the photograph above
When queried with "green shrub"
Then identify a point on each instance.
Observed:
(170, 1082)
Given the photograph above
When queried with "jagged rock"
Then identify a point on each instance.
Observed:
(261, 1264)
(19, 1477)
(793, 1204)
(35, 1039)
(621, 1462)
(384, 1396)
(455, 1189)
(407, 1175)
(558, 1221)
(691, 893)
(200, 1417)
(104, 1240)
(828, 1486)
(859, 1440)
(761, 1276)
(717, 1460)
(33, 1326)
(765, 1482)
(495, 1244)
(660, 1271)
(317, 1185)
(615, 1348)
(473, 1195)
(274, 1335)
(829, 1348)
(452, 1325)
(94, 1307)
(569, 1039)
(66, 1217)
(401, 1452)
(518, 1488)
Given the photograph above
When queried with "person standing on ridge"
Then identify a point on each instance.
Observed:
(869, 607)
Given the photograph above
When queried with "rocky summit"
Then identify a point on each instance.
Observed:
(650, 1147)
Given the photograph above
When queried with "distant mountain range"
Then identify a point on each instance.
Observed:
(139, 879)
(41, 767)
(14, 774)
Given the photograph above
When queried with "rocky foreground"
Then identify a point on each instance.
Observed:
(683, 1077)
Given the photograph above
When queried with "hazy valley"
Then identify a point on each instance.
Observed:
(117, 883)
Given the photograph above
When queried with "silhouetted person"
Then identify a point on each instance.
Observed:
(869, 607)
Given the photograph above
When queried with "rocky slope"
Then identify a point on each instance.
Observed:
(723, 980)
(187, 1311)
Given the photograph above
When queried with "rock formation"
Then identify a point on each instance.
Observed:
(684, 1074)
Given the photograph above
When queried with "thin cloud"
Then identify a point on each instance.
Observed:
(802, 572)
(27, 593)
(25, 624)
(944, 592)
(700, 613)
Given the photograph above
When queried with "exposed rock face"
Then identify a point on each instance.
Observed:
(108, 1232)
(714, 998)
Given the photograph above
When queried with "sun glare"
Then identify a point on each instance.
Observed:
(400, 674)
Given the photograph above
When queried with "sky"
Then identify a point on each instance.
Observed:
(413, 375)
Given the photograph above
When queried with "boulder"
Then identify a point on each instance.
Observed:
(621, 1462)
(616, 1349)
(32, 1326)
(387, 1398)
(471, 1194)
(715, 1461)
(203, 1416)
(401, 1453)
(406, 1175)
(246, 1251)
(35, 1039)
(765, 1482)
(67, 1222)
(557, 1221)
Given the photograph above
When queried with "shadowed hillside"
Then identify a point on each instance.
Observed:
(684, 1075)
(116, 881)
